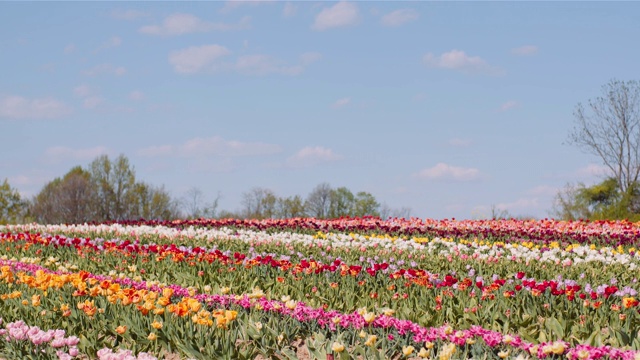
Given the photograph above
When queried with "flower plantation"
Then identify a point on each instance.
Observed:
(308, 288)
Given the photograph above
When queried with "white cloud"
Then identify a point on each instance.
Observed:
(197, 58)
(340, 103)
(69, 49)
(212, 146)
(457, 142)
(289, 10)
(60, 153)
(127, 14)
(519, 205)
(179, 24)
(219, 146)
(234, 4)
(455, 207)
(419, 97)
(114, 41)
(338, 15)
(309, 58)
(105, 69)
(311, 155)
(211, 165)
(34, 181)
(154, 151)
(207, 58)
(508, 105)
(20, 180)
(82, 90)
(263, 65)
(17, 107)
(260, 64)
(399, 17)
(525, 50)
(593, 170)
(543, 190)
(136, 95)
(444, 171)
(49, 67)
(459, 60)
(92, 102)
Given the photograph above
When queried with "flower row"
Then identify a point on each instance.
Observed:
(186, 302)
(546, 230)
(413, 276)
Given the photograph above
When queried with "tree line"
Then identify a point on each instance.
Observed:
(105, 190)
(108, 190)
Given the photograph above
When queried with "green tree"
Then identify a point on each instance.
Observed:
(114, 183)
(290, 207)
(13, 209)
(366, 205)
(325, 202)
(342, 203)
(604, 200)
(152, 203)
(107, 190)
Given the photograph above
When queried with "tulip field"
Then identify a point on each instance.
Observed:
(349, 288)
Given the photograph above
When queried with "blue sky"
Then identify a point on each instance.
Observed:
(448, 108)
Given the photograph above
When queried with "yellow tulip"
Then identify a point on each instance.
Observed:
(337, 347)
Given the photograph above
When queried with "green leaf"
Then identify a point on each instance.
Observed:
(554, 327)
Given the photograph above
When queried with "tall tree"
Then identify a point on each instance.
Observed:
(259, 203)
(114, 183)
(318, 202)
(153, 203)
(195, 206)
(387, 212)
(76, 196)
(45, 203)
(13, 209)
(68, 199)
(342, 202)
(290, 207)
(366, 205)
(609, 127)
(192, 203)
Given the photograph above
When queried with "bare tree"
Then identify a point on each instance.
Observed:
(66, 200)
(76, 195)
(259, 203)
(609, 127)
(499, 213)
(387, 212)
(211, 210)
(193, 201)
(318, 203)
